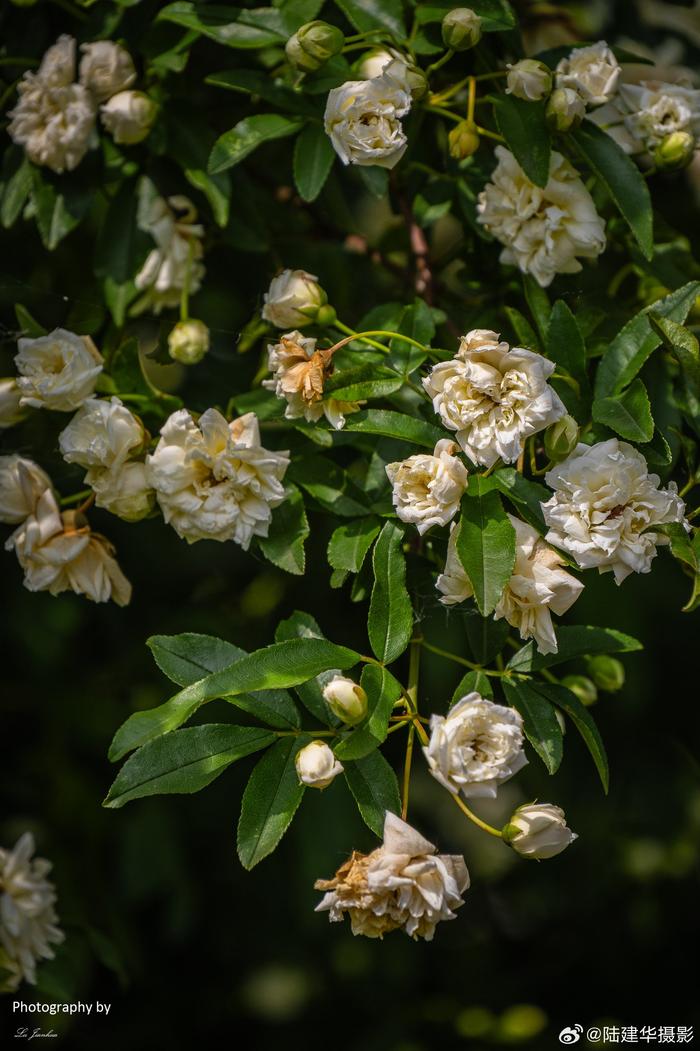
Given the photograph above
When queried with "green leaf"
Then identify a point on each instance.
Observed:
(231, 26)
(383, 691)
(257, 82)
(622, 179)
(524, 332)
(584, 723)
(575, 641)
(682, 344)
(350, 543)
(121, 245)
(29, 326)
(417, 322)
(289, 528)
(270, 801)
(473, 681)
(184, 761)
(486, 636)
(523, 126)
(565, 343)
(313, 159)
(485, 544)
(216, 189)
(190, 657)
(628, 413)
(329, 485)
(374, 14)
(376, 180)
(279, 666)
(17, 190)
(272, 707)
(390, 622)
(635, 342)
(57, 213)
(395, 425)
(375, 788)
(303, 626)
(362, 382)
(538, 303)
(234, 145)
(540, 722)
(527, 496)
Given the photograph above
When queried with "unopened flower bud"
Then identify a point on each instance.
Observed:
(326, 315)
(461, 29)
(538, 830)
(128, 116)
(316, 765)
(313, 44)
(561, 438)
(11, 411)
(582, 687)
(415, 78)
(295, 299)
(674, 152)
(529, 80)
(463, 140)
(565, 109)
(346, 699)
(188, 342)
(607, 672)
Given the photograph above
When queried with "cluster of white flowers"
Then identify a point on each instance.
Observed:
(175, 263)
(493, 396)
(103, 437)
(213, 480)
(537, 588)
(54, 119)
(403, 885)
(544, 230)
(299, 372)
(28, 920)
(363, 118)
(604, 507)
(428, 487)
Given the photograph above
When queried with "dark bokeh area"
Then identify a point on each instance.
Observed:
(160, 919)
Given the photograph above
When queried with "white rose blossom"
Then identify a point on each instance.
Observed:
(528, 79)
(655, 110)
(299, 372)
(402, 885)
(213, 479)
(54, 118)
(544, 230)
(128, 116)
(316, 766)
(591, 71)
(22, 483)
(363, 120)
(538, 586)
(175, 261)
(125, 491)
(538, 831)
(293, 299)
(28, 920)
(476, 747)
(58, 552)
(58, 371)
(604, 499)
(493, 396)
(103, 433)
(11, 411)
(428, 487)
(106, 68)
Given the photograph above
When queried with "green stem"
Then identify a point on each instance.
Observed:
(476, 820)
(445, 113)
(440, 62)
(407, 771)
(185, 296)
(75, 498)
(466, 663)
(377, 332)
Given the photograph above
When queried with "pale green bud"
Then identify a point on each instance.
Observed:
(561, 438)
(565, 109)
(463, 140)
(188, 342)
(461, 29)
(582, 687)
(346, 699)
(313, 44)
(607, 673)
(538, 831)
(676, 151)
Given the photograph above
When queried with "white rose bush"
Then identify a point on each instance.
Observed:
(382, 300)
